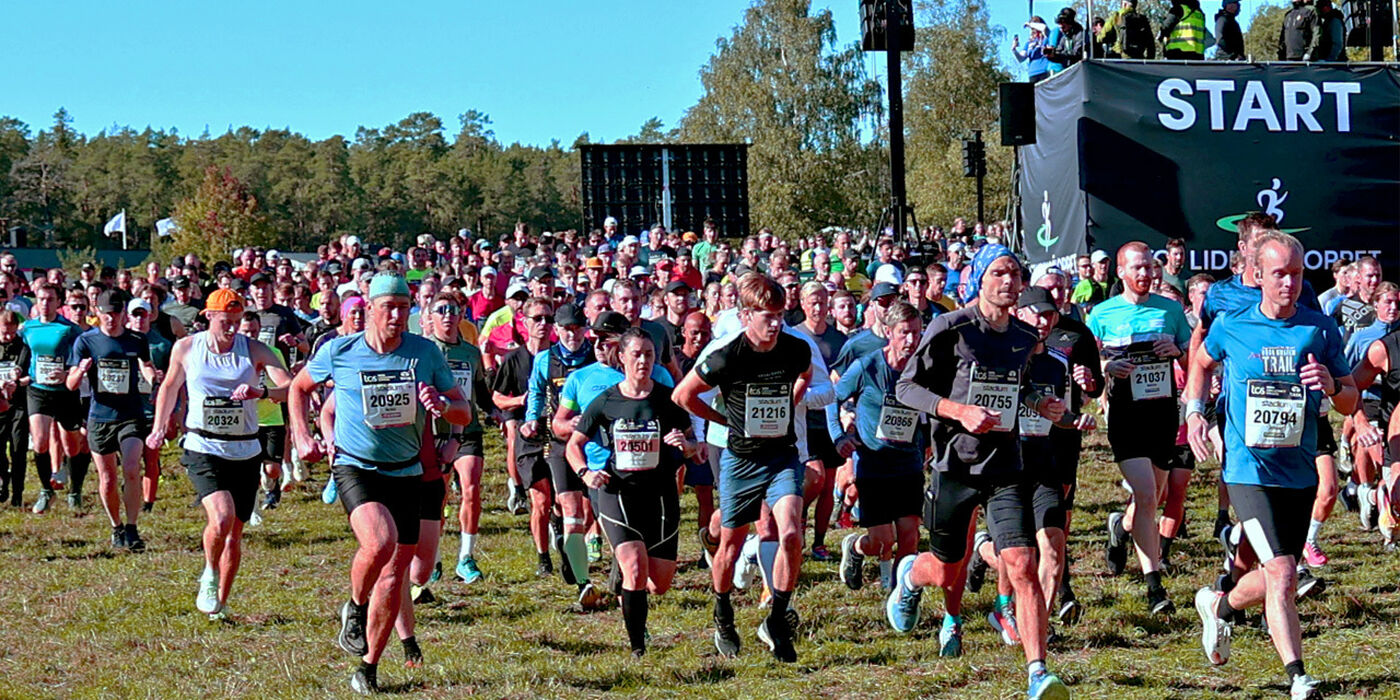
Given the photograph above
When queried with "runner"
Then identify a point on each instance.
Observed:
(54, 410)
(647, 437)
(1374, 354)
(822, 468)
(979, 352)
(1140, 335)
(221, 373)
(888, 441)
(380, 376)
(14, 421)
(1280, 360)
(138, 313)
(272, 427)
(762, 373)
(110, 356)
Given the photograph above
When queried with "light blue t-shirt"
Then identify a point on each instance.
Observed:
(1271, 428)
(892, 435)
(587, 384)
(379, 420)
(1119, 323)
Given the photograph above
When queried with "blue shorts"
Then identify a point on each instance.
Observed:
(745, 484)
(699, 474)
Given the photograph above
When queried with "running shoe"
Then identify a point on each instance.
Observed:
(133, 539)
(1228, 543)
(595, 550)
(75, 500)
(223, 614)
(746, 570)
(146, 507)
(1003, 620)
(1117, 550)
(1313, 555)
(467, 570)
(412, 655)
(708, 545)
(4, 492)
(821, 553)
(1158, 602)
(119, 537)
(544, 568)
(1215, 632)
(726, 637)
(1305, 687)
(1069, 612)
(330, 493)
(352, 629)
(522, 502)
(1364, 493)
(590, 598)
(436, 575)
(1222, 521)
(1045, 685)
(207, 601)
(255, 519)
(1309, 584)
(950, 641)
(42, 504)
(778, 638)
(421, 595)
(365, 681)
(851, 562)
(1347, 495)
(274, 497)
(977, 566)
(902, 605)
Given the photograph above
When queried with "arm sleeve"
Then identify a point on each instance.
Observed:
(913, 388)
(505, 378)
(591, 419)
(713, 369)
(77, 351)
(481, 393)
(535, 391)
(22, 362)
(1335, 360)
(1214, 344)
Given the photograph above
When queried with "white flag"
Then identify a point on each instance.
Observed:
(117, 224)
(165, 226)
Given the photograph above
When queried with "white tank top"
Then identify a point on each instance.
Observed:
(215, 424)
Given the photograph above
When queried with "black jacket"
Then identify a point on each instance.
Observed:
(1331, 37)
(1229, 40)
(1297, 39)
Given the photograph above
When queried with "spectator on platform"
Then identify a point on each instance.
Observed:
(1184, 32)
(1099, 48)
(1037, 67)
(1229, 39)
(1129, 33)
(1298, 37)
(1065, 46)
(1331, 34)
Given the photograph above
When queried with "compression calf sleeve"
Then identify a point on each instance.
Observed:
(576, 551)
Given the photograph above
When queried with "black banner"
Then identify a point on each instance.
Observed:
(1153, 151)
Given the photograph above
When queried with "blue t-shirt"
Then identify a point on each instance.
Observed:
(1231, 295)
(50, 344)
(587, 384)
(115, 374)
(1271, 429)
(855, 348)
(379, 421)
(892, 435)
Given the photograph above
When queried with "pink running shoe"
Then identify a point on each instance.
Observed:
(1313, 555)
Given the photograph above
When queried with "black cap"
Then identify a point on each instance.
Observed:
(610, 323)
(1036, 299)
(569, 315)
(562, 248)
(237, 284)
(588, 251)
(1066, 15)
(112, 301)
(334, 267)
(259, 277)
(181, 282)
(678, 286)
(683, 252)
(883, 289)
(89, 266)
(541, 272)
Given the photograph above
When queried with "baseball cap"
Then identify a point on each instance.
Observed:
(594, 263)
(956, 246)
(570, 315)
(664, 264)
(89, 266)
(1036, 299)
(610, 323)
(223, 300)
(181, 282)
(138, 305)
(638, 271)
(488, 270)
(352, 240)
(388, 284)
(889, 273)
(883, 289)
(334, 267)
(629, 239)
(484, 243)
(112, 301)
(258, 278)
(610, 221)
(1097, 256)
(604, 248)
(516, 288)
(689, 237)
(539, 273)
(678, 287)
(360, 264)
(274, 255)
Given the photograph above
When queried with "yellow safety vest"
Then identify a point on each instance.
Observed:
(1189, 35)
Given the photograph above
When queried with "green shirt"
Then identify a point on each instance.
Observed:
(464, 359)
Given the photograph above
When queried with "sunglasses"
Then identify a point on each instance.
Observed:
(78, 307)
(541, 319)
(447, 310)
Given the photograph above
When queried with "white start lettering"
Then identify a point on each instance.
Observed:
(1295, 106)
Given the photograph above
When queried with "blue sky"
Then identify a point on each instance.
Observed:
(541, 69)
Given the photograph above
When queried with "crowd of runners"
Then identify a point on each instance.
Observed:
(933, 385)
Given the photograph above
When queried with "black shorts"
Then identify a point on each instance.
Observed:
(884, 500)
(107, 438)
(1273, 518)
(699, 474)
(431, 499)
(1326, 438)
(952, 500)
(1067, 445)
(1048, 504)
(643, 510)
(239, 477)
(561, 476)
(467, 446)
(1183, 458)
(820, 447)
(400, 494)
(1144, 429)
(62, 406)
(273, 439)
(1371, 408)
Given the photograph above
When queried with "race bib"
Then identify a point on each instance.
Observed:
(223, 416)
(143, 385)
(387, 398)
(767, 410)
(49, 369)
(636, 446)
(9, 372)
(1274, 413)
(995, 390)
(462, 374)
(1152, 380)
(1032, 423)
(897, 422)
(268, 336)
(113, 375)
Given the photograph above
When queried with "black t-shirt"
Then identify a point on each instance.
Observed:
(757, 389)
(1352, 314)
(277, 321)
(673, 333)
(14, 363)
(513, 379)
(661, 339)
(114, 374)
(1072, 339)
(794, 316)
(632, 431)
(186, 313)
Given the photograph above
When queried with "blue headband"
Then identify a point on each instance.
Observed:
(986, 255)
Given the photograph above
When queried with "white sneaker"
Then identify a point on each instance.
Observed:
(1367, 510)
(255, 519)
(1305, 688)
(1215, 632)
(207, 601)
(747, 568)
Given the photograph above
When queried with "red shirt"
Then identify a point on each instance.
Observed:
(481, 307)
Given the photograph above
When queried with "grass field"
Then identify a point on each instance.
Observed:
(77, 619)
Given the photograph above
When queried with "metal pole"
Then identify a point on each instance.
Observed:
(898, 195)
(666, 188)
(981, 166)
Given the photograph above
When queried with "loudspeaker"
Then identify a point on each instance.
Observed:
(1017, 114)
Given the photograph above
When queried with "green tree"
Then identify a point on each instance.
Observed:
(1261, 39)
(780, 83)
(221, 215)
(653, 131)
